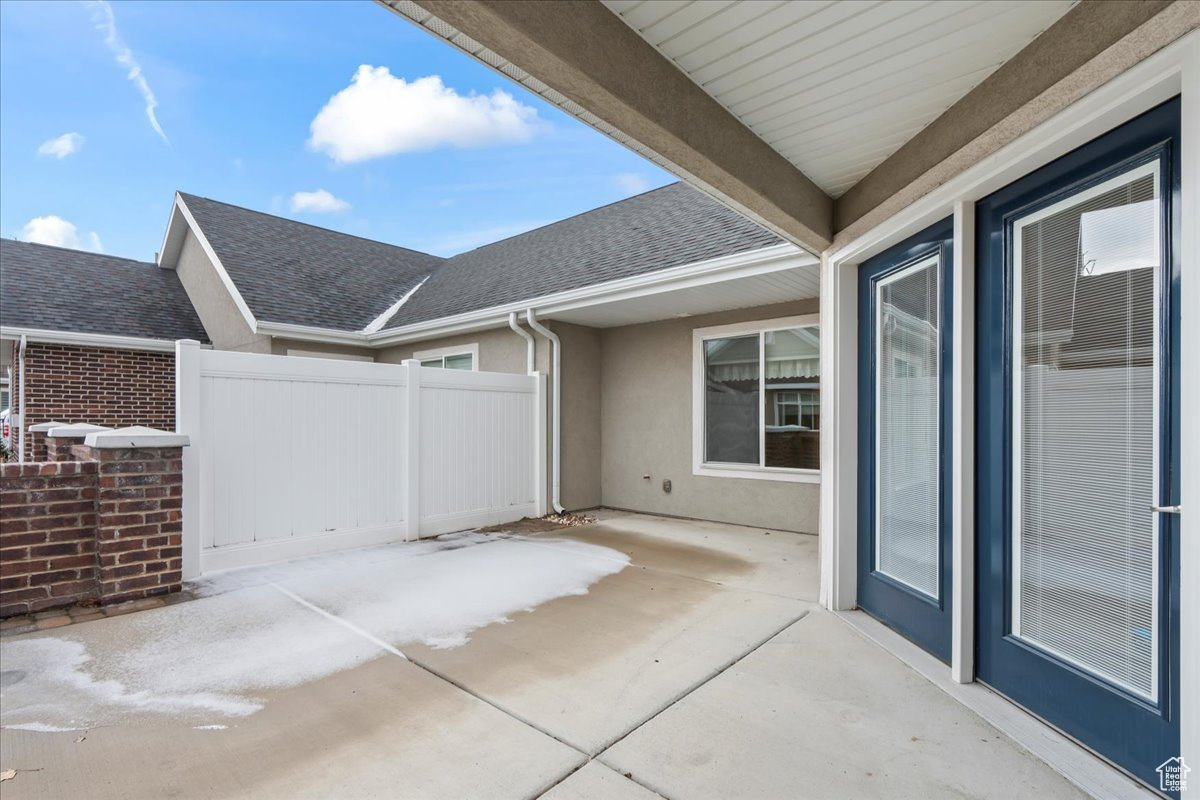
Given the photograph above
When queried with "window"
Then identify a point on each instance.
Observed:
(757, 408)
(462, 357)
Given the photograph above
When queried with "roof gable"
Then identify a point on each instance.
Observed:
(294, 273)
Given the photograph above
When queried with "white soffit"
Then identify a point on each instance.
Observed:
(757, 290)
(837, 87)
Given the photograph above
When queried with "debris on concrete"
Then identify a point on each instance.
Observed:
(550, 522)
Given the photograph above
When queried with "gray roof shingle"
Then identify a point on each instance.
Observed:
(663, 228)
(296, 273)
(53, 288)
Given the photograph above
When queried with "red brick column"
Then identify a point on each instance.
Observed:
(139, 521)
(47, 536)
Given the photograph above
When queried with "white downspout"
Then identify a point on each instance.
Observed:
(21, 403)
(556, 429)
(528, 337)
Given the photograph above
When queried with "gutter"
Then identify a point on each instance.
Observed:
(556, 446)
(89, 339)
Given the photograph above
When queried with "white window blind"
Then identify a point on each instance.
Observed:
(907, 322)
(1085, 429)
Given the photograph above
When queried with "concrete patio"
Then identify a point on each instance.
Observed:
(702, 668)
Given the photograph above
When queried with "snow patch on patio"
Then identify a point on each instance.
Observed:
(220, 655)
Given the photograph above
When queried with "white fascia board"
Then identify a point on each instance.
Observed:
(764, 260)
(381, 320)
(89, 339)
(311, 333)
(169, 262)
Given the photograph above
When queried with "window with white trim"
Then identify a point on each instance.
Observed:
(757, 399)
(464, 357)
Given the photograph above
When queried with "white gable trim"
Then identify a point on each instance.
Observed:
(173, 245)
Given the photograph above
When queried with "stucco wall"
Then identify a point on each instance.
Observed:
(646, 425)
(280, 347)
(222, 320)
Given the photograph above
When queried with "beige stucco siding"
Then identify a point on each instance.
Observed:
(222, 320)
(281, 347)
(646, 424)
(581, 401)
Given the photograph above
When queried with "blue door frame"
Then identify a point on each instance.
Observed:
(1126, 729)
(917, 616)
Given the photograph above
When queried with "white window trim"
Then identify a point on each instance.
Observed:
(458, 350)
(748, 471)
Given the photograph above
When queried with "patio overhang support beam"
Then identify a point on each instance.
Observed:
(585, 53)
(1089, 45)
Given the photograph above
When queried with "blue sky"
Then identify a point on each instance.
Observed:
(235, 90)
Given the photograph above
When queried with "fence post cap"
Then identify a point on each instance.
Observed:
(76, 431)
(135, 437)
(42, 427)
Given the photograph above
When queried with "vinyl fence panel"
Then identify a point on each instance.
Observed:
(292, 456)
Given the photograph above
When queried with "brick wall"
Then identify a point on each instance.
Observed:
(47, 535)
(106, 527)
(114, 388)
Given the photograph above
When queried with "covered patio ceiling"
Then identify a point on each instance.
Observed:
(808, 116)
(837, 87)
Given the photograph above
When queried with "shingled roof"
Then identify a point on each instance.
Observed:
(52, 288)
(663, 228)
(291, 272)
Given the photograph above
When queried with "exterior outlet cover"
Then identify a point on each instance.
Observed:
(667, 485)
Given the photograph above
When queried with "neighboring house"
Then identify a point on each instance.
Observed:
(627, 290)
(92, 336)
(624, 287)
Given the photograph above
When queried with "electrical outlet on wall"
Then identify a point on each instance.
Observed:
(667, 485)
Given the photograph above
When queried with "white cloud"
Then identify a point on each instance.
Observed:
(61, 146)
(59, 232)
(631, 182)
(106, 23)
(318, 202)
(379, 114)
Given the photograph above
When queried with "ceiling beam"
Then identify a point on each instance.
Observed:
(587, 54)
(1080, 35)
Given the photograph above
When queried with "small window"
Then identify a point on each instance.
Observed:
(465, 357)
(758, 399)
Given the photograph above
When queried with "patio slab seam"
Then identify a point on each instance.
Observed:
(598, 756)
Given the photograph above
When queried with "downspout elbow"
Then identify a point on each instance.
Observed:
(529, 343)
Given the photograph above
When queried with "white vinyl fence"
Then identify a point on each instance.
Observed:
(291, 456)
